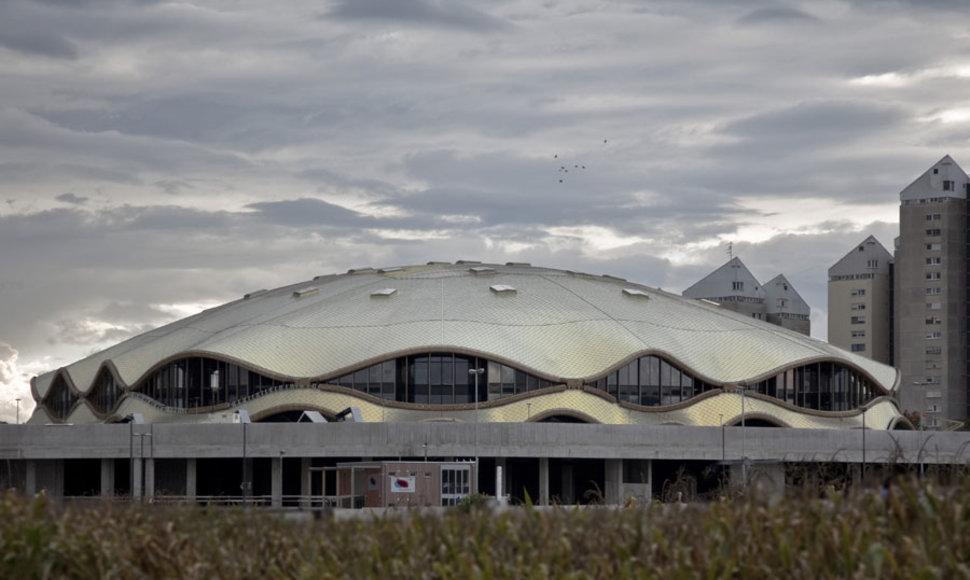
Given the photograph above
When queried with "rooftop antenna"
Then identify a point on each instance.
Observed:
(730, 250)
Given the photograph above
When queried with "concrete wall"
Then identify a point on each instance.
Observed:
(528, 440)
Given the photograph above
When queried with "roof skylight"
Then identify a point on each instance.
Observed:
(304, 292)
(636, 293)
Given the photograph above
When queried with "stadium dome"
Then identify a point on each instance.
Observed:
(473, 342)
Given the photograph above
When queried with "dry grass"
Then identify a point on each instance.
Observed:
(921, 531)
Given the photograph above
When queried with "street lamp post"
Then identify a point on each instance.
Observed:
(864, 409)
(744, 459)
(476, 372)
(141, 455)
(18, 410)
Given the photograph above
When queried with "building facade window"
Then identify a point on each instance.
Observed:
(935, 335)
(932, 217)
(933, 247)
(737, 286)
(934, 305)
(934, 291)
(872, 263)
(858, 334)
(934, 350)
(858, 320)
(934, 320)
(858, 306)
(934, 275)
(858, 292)
(858, 347)
(947, 185)
(934, 261)
(933, 232)
(825, 386)
(651, 381)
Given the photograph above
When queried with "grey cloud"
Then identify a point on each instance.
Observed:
(98, 3)
(37, 42)
(22, 131)
(79, 333)
(308, 212)
(427, 12)
(110, 175)
(780, 146)
(503, 190)
(71, 198)
(816, 122)
(173, 186)
(186, 117)
(910, 5)
(776, 15)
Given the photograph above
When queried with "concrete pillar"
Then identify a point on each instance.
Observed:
(543, 481)
(136, 479)
(613, 482)
(149, 478)
(107, 477)
(568, 496)
(306, 483)
(276, 476)
(30, 478)
(501, 462)
(191, 478)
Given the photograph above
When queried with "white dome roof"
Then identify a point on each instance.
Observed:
(556, 324)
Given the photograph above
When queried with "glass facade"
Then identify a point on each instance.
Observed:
(106, 393)
(441, 378)
(60, 400)
(651, 381)
(823, 386)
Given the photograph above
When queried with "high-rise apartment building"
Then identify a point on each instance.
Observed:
(735, 288)
(930, 287)
(860, 301)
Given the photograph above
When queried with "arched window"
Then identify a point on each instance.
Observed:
(196, 382)
(104, 395)
(59, 399)
(440, 378)
(651, 381)
(822, 386)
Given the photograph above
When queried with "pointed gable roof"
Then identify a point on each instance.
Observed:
(730, 280)
(931, 183)
(781, 297)
(869, 257)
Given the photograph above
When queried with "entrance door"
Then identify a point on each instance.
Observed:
(455, 483)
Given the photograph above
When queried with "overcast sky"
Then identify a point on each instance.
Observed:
(161, 157)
